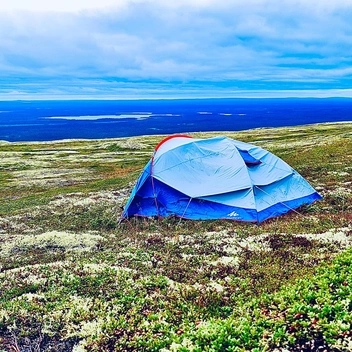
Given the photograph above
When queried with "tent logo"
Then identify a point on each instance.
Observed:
(233, 214)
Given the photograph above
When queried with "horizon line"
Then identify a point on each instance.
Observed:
(78, 98)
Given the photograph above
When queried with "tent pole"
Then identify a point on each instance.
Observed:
(154, 193)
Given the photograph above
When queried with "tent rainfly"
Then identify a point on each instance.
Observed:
(216, 178)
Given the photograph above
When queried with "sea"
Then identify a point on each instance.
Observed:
(48, 120)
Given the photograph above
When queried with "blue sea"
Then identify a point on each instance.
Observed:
(54, 120)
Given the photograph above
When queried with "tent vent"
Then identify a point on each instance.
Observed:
(248, 158)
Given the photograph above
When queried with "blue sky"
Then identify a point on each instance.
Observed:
(131, 49)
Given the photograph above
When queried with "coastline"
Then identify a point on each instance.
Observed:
(68, 140)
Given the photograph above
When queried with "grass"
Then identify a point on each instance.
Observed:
(73, 279)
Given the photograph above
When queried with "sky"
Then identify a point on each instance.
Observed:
(136, 49)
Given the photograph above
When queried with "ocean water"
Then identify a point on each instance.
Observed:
(91, 119)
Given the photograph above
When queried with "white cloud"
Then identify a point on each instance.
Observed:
(217, 44)
(260, 5)
(59, 6)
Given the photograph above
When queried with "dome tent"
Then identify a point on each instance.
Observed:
(216, 178)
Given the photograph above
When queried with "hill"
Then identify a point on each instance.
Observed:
(72, 278)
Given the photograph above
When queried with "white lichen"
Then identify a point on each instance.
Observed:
(226, 261)
(51, 240)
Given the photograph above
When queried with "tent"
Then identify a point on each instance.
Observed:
(216, 178)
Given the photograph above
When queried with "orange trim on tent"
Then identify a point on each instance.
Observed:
(171, 137)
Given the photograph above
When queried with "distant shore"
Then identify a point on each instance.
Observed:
(68, 140)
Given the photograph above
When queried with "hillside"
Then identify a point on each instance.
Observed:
(73, 278)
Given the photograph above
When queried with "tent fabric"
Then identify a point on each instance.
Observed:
(217, 178)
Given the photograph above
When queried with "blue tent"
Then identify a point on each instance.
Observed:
(216, 178)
